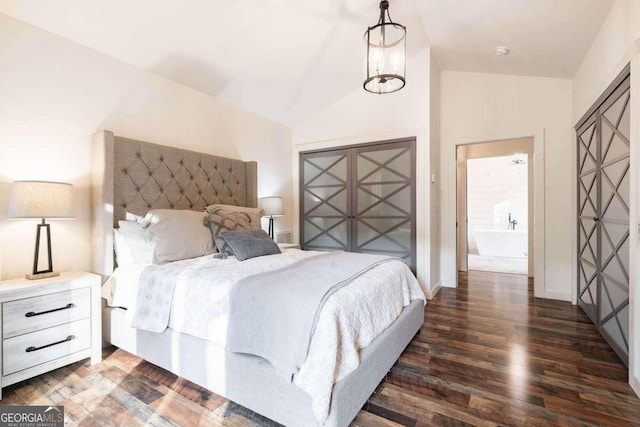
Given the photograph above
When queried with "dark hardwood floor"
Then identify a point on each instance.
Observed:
(488, 354)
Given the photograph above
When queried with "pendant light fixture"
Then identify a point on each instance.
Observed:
(386, 54)
(519, 159)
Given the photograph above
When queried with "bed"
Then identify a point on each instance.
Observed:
(192, 181)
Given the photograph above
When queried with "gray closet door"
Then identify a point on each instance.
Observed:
(588, 214)
(614, 221)
(325, 199)
(385, 201)
(603, 218)
(360, 199)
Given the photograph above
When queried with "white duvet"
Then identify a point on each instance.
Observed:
(350, 319)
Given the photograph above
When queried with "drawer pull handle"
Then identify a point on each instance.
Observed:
(66, 307)
(69, 338)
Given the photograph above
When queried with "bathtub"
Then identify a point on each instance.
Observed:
(504, 243)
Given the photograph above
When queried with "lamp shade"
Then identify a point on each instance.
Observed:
(41, 199)
(271, 206)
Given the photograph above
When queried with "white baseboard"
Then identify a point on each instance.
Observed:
(560, 296)
(436, 288)
(634, 382)
(447, 284)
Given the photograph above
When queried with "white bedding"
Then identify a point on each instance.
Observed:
(350, 319)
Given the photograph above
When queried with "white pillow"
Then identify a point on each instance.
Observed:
(123, 253)
(131, 244)
(177, 234)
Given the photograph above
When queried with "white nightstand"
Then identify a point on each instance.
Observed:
(289, 246)
(48, 323)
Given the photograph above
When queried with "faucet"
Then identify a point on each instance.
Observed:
(512, 224)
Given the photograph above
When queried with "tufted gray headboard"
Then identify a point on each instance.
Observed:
(133, 177)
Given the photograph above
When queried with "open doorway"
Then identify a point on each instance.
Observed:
(495, 206)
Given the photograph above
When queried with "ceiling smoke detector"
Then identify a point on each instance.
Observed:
(502, 51)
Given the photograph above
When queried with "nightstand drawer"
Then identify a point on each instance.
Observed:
(32, 314)
(32, 349)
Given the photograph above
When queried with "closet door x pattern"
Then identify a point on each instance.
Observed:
(360, 199)
(603, 217)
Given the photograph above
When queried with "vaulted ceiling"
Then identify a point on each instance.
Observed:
(287, 59)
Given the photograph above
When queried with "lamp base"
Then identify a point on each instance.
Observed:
(42, 274)
(38, 276)
(271, 227)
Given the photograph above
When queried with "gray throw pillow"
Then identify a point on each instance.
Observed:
(254, 213)
(249, 244)
(220, 220)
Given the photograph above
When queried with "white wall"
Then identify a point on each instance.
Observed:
(495, 189)
(479, 107)
(56, 93)
(434, 163)
(617, 44)
(364, 117)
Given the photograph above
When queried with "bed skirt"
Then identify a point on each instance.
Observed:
(251, 381)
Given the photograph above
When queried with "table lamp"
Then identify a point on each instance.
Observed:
(271, 206)
(41, 200)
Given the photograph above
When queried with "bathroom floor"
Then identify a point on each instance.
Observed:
(498, 264)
